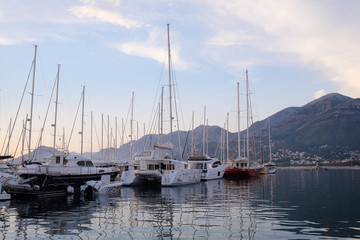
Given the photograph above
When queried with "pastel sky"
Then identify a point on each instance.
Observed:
(295, 51)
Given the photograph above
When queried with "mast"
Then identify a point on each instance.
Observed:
(108, 133)
(227, 138)
(238, 120)
(91, 134)
(122, 137)
(137, 136)
(204, 131)
(145, 135)
(192, 135)
(207, 136)
(56, 104)
(102, 135)
(32, 104)
(223, 144)
(63, 140)
(169, 55)
(23, 140)
(115, 142)
(159, 121)
(82, 121)
(131, 126)
(269, 141)
(247, 117)
(162, 115)
(7, 150)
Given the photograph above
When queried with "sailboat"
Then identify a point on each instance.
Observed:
(158, 166)
(270, 167)
(63, 173)
(241, 167)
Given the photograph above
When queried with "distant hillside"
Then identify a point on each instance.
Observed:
(322, 127)
(332, 120)
(327, 128)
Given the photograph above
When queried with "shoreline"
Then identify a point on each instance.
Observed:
(300, 168)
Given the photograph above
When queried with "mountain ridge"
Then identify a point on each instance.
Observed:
(327, 127)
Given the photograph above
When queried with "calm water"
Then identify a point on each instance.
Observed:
(289, 205)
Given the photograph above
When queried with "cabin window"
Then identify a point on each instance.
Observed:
(170, 167)
(65, 161)
(237, 165)
(89, 164)
(126, 168)
(153, 167)
(216, 164)
(163, 166)
(81, 163)
(57, 160)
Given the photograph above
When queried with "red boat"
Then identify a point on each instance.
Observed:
(239, 169)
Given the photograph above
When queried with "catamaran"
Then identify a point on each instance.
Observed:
(158, 166)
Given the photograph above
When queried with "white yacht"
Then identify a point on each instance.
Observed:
(211, 168)
(152, 167)
(156, 167)
(64, 173)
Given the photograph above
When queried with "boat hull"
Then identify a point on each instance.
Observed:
(139, 177)
(51, 186)
(211, 167)
(180, 177)
(214, 173)
(242, 172)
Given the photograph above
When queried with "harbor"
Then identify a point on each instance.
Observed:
(291, 204)
(234, 119)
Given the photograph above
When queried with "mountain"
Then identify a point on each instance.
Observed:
(331, 122)
(327, 128)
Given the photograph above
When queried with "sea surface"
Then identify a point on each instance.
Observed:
(291, 204)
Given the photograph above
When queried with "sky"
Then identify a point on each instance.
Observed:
(295, 51)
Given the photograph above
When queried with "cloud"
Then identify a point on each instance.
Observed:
(141, 50)
(103, 15)
(319, 93)
(17, 38)
(318, 35)
(155, 47)
(5, 41)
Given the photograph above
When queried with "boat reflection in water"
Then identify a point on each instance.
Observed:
(208, 210)
(267, 207)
